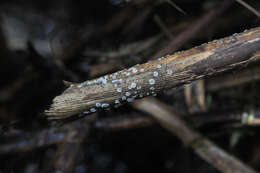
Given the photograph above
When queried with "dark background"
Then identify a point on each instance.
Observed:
(45, 42)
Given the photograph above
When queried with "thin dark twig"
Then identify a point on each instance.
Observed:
(193, 30)
(205, 148)
(69, 149)
(250, 8)
(125, 122)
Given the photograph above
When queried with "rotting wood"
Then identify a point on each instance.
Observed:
(154, 76)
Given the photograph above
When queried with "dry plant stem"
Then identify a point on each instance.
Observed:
(69, 149)
(155, 76)
(125, 122)
(195, 96)
(34, 140)
(202, 146)
(163, 27)
(50, 136)
(176, 7)
(137, 21)
(250, 8)
(69, 134)
(118, 19)
(193, 30)
(133, 48)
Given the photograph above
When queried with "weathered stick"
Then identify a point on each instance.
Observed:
(155, 76)
(34, 140)
(202, 146)
(70, 148)
(195, 28)
(124, 122)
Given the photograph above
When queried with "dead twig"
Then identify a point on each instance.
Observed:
(250, 8)
(155, 76)
(69, 149)
(133, 48)
(202, 146)
(47, 137)
(193, 30)
(195, 96)
(34, 140)
(163, 27)
(125, 122)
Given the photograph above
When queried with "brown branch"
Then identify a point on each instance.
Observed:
(166, 31)
(250, 8)
(193, 29)
(34, 140)
(202, 146)
(30, 141)
(137, 120)
(155, 76)
(133, 48)
(69, 149)
(125, 122)
(68, 136)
